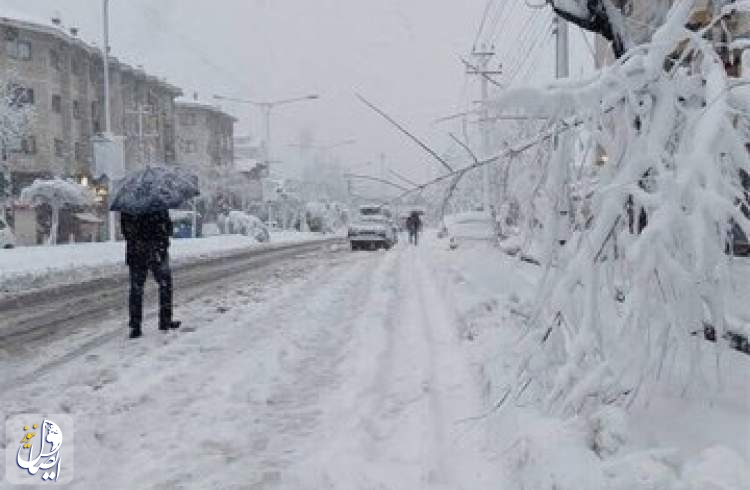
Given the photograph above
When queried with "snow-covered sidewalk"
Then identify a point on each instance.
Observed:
(25, 268)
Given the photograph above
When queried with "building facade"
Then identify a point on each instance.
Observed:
(61, 77)
(205, 146)
(205, 135)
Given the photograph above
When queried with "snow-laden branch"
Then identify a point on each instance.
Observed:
(624, 294)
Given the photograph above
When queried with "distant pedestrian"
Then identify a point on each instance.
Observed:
(147, 237)
(414, 226)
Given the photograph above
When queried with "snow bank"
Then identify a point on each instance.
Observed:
(470, 226)
(34, 267)
(672, 438)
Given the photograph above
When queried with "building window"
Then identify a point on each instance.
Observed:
(54, 59)
(94, 72)
(20, 96)
(75, 66)
(189, 146)
(78, 148)
(95, 116)
(76, 110)
(28, 145)
(188, 119)
(59, 148)
(57, 104)
(16, 49)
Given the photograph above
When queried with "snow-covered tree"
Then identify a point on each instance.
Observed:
(15, 117)
(650, 268)
(626, 23)
(15, 114)
(57, 193)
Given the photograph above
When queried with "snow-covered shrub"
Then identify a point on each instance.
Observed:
(240, 223)
(608, 431)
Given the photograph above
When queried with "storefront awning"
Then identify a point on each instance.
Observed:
(87, 218)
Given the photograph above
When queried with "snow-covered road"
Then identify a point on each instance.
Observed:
(334, 370)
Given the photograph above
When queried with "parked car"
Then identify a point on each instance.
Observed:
(470, 226)
(7, 237)
(372, 232)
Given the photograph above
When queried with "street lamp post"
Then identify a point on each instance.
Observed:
(266, 108)
(107, 113)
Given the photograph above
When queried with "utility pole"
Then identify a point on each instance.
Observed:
(382, 166)
(483, 58)
(266, 108)
(108, 114)
(562, 49)
(562, 70)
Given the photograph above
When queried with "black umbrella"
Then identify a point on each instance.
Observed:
(154, 189)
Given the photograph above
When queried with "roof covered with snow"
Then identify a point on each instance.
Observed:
(183, 103)
(23, 21)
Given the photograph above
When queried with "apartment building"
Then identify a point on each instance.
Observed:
(205, 135)
(61, 76)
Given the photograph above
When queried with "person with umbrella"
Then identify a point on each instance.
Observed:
(144, 199)
(413, 225)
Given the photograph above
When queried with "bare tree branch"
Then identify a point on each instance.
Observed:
(407, 133)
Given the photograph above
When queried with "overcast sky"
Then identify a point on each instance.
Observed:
(403, 55)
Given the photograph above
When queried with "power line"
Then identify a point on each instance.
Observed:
(197, 52)
(481, 24)
(523, 51)
(531, 49)
(503, 14)
(533, 65)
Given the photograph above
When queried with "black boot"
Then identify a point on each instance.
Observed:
(135, 332)
(170, 326)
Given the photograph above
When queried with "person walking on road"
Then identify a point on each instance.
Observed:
(147, 237)
(414, 226)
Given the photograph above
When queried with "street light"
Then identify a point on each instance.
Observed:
(267, 107)
(323, 147)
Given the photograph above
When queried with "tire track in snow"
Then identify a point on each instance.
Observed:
(397, 428)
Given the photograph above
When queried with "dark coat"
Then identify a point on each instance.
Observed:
(147, 237)
(413, 223)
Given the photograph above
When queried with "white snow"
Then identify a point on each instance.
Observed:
(43, 266)
(391, 376)
(675, 437)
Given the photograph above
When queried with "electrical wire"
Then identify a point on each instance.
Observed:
(523, 48)
(482, 23)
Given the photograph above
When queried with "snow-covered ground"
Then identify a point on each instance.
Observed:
(33, 267)
(681, 435)
(369, 370)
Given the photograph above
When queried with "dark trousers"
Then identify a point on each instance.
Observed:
(163, 276)
(413, 236)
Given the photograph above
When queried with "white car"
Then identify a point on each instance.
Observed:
(372, 232)
(7, 238)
